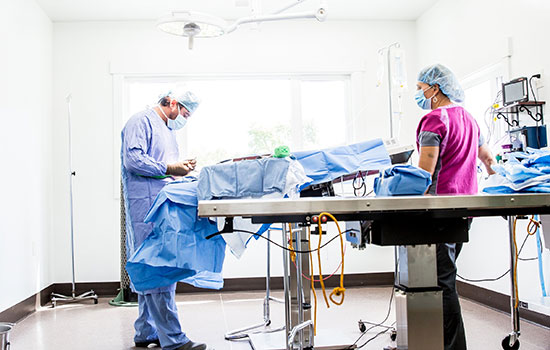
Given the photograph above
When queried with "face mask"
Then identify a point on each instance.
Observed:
(422, 101)
(177, 123)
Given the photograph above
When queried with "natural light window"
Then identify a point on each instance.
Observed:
(240, 116)
(478, 99)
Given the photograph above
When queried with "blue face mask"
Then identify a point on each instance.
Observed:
(177, 123)
(422, 101)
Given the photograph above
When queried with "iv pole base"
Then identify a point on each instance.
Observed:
(258, 328)
(74, 298)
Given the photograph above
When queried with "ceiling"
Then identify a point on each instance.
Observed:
(127, 10)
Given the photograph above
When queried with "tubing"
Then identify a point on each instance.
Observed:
(541, 271)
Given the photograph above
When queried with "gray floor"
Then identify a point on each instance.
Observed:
(206, 317)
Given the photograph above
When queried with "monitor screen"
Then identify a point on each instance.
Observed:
(515, 91)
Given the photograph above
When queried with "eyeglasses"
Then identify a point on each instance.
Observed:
(180, 107)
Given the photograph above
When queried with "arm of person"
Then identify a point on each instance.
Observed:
(484, 154)
(428, 156)
(136, 137)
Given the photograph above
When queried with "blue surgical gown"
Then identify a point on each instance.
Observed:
(148, 145)
(177, 249)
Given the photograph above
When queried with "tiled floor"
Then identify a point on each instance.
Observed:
(207, 317)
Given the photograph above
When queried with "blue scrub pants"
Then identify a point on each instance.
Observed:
(158, 319)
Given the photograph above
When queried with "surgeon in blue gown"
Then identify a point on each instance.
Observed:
(149, 161)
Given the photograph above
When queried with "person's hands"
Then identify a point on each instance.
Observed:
(191, 164)
(178, 169)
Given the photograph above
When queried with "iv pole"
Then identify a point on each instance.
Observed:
(388, 48)
(90, 294)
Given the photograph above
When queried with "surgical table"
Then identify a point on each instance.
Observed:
(406, 222)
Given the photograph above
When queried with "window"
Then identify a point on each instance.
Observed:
(478, 99)
(481, 89)
(243, 116)
(323, 113)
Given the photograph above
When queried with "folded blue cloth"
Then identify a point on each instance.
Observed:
(331, 163)
(177, 250)
(402, 180)
(523, 172)
(247, 178)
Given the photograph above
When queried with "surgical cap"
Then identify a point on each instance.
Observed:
(447, 81)
(187, 99)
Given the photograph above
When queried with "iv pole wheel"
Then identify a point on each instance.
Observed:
(506, 344)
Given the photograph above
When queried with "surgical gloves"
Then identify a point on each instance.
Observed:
(181, 168)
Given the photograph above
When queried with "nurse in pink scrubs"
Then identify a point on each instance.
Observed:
(449, 143)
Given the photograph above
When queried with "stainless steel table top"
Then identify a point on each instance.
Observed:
(481, 205)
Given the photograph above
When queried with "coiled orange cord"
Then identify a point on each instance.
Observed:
(338, 291)
(516, 257)
(532, 226)
(312, 282)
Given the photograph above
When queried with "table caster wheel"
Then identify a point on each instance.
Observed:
(96, 301)
(362, 327)
(393, 335)
(506, 344)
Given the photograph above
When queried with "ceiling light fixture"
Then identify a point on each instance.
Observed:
(200, 25)
(192, 25)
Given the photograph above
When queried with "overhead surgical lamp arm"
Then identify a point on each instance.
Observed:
(320, 14)
(294, 3)
(288, 6)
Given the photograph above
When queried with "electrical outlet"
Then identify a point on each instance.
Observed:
(539, 83)
(524, 304)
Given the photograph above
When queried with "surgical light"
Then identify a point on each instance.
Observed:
(192, 25)
(200, 25)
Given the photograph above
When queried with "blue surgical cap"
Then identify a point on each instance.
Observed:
(447, 81)
(187, 99)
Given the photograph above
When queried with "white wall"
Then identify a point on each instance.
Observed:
(85, 55)
(25, 140)
(467, 36)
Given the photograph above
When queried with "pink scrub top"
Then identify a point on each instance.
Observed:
(458, 137)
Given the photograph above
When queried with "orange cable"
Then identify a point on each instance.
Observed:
(515, 263)
(312, 282)
(340, 290)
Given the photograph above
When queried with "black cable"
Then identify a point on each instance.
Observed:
(529, 259)
(521, 248)
(374, 325)
(504, 274)
(381, 324)
(362, 185)
(371, 339)
(377, 324)
(484, 280)
(531, 86)
(538, 116)
(277, 244)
